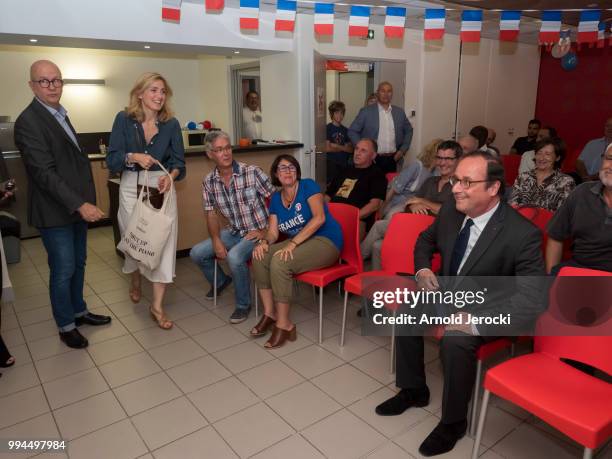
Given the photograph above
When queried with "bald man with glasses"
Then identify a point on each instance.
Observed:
(61, 199)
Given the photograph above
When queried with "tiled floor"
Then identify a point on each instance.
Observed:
(205, 389)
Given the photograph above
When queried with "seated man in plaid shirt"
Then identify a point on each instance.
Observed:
(237, 191)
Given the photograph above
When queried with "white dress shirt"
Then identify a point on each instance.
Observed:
(475, 231)
(527, 162)
(251, 123)
(386, 131)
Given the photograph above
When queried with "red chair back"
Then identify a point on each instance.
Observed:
(564, 340)
(397, 253)
(540, 218)
(390, 176)
(348, 218)
(511, 165)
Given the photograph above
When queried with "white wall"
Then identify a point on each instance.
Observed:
(136, 21)
(93, 108)
(214, 86)
(352, 91)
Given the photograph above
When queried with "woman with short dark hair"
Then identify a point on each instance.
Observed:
(545, 186)
(314, 241)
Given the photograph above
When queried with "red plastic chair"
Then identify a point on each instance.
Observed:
(540, 218)
(511, 165)
(397, 255)
(577, 404)
(350, 257)
(390, 176)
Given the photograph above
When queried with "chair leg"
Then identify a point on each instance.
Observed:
(340, 288)
(256, 300)
(215, 284)
(320, 315)
(343, 319)
(474, 410)
(314, 294)
(392, 353)
(481, 422)
(588, 453)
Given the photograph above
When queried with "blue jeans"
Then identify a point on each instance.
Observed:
(67, 252)
(239, 251)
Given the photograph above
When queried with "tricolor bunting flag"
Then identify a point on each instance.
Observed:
(395, 21)
(285, 15)
(249, 14)
(324, 18)
(359, 20)
(471, 25)
(588, 26)
(509, 25)
(551, 27)
(434, 23)
(214, 5)
(171, 10)
(601, 35)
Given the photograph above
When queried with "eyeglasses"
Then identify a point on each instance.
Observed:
(446, 158)
(465, 183)
(284, 168)
(221, 149)
(44, 83)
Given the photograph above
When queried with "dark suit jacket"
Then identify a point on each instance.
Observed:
(59, 173)
(366, 124)
(509, 245)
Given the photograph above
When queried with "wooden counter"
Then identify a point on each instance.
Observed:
(192, 224)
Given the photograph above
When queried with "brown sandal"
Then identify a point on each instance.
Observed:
(162, 321)
(262, 326)
(280, 336)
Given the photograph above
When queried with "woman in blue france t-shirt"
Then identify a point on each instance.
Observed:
(314, 241)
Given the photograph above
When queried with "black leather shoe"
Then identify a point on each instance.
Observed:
(443, 438)
(403, 400)
(73, 338)
(92, 319)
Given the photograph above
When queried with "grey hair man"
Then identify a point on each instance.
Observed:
(238, 192)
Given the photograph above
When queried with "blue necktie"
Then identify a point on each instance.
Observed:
(460, 247)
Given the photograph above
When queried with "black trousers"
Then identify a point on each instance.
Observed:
(458, 355)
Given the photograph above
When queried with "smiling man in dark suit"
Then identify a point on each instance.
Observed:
(477, 234)
(61, 198)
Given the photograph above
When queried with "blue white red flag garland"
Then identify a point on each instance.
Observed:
(589, 30)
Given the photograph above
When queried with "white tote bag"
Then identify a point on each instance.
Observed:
(148, 229)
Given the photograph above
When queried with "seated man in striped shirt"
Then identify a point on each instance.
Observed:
(236, 191)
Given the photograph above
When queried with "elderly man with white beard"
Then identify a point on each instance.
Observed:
(586, 218)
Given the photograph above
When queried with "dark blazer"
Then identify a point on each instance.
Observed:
(59, 173)
(366, 124)
(509, 245)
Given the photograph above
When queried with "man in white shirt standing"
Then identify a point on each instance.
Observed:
(385, 123)
(251, 116)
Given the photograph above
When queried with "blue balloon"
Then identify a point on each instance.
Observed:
(570, 61)
(192, 125)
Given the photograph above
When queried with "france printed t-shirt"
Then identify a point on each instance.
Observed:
(292, 220)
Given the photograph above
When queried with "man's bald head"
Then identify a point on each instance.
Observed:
(40, 66)
(468, 143)
(46, 73)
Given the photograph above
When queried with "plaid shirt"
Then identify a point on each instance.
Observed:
(243, 202)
